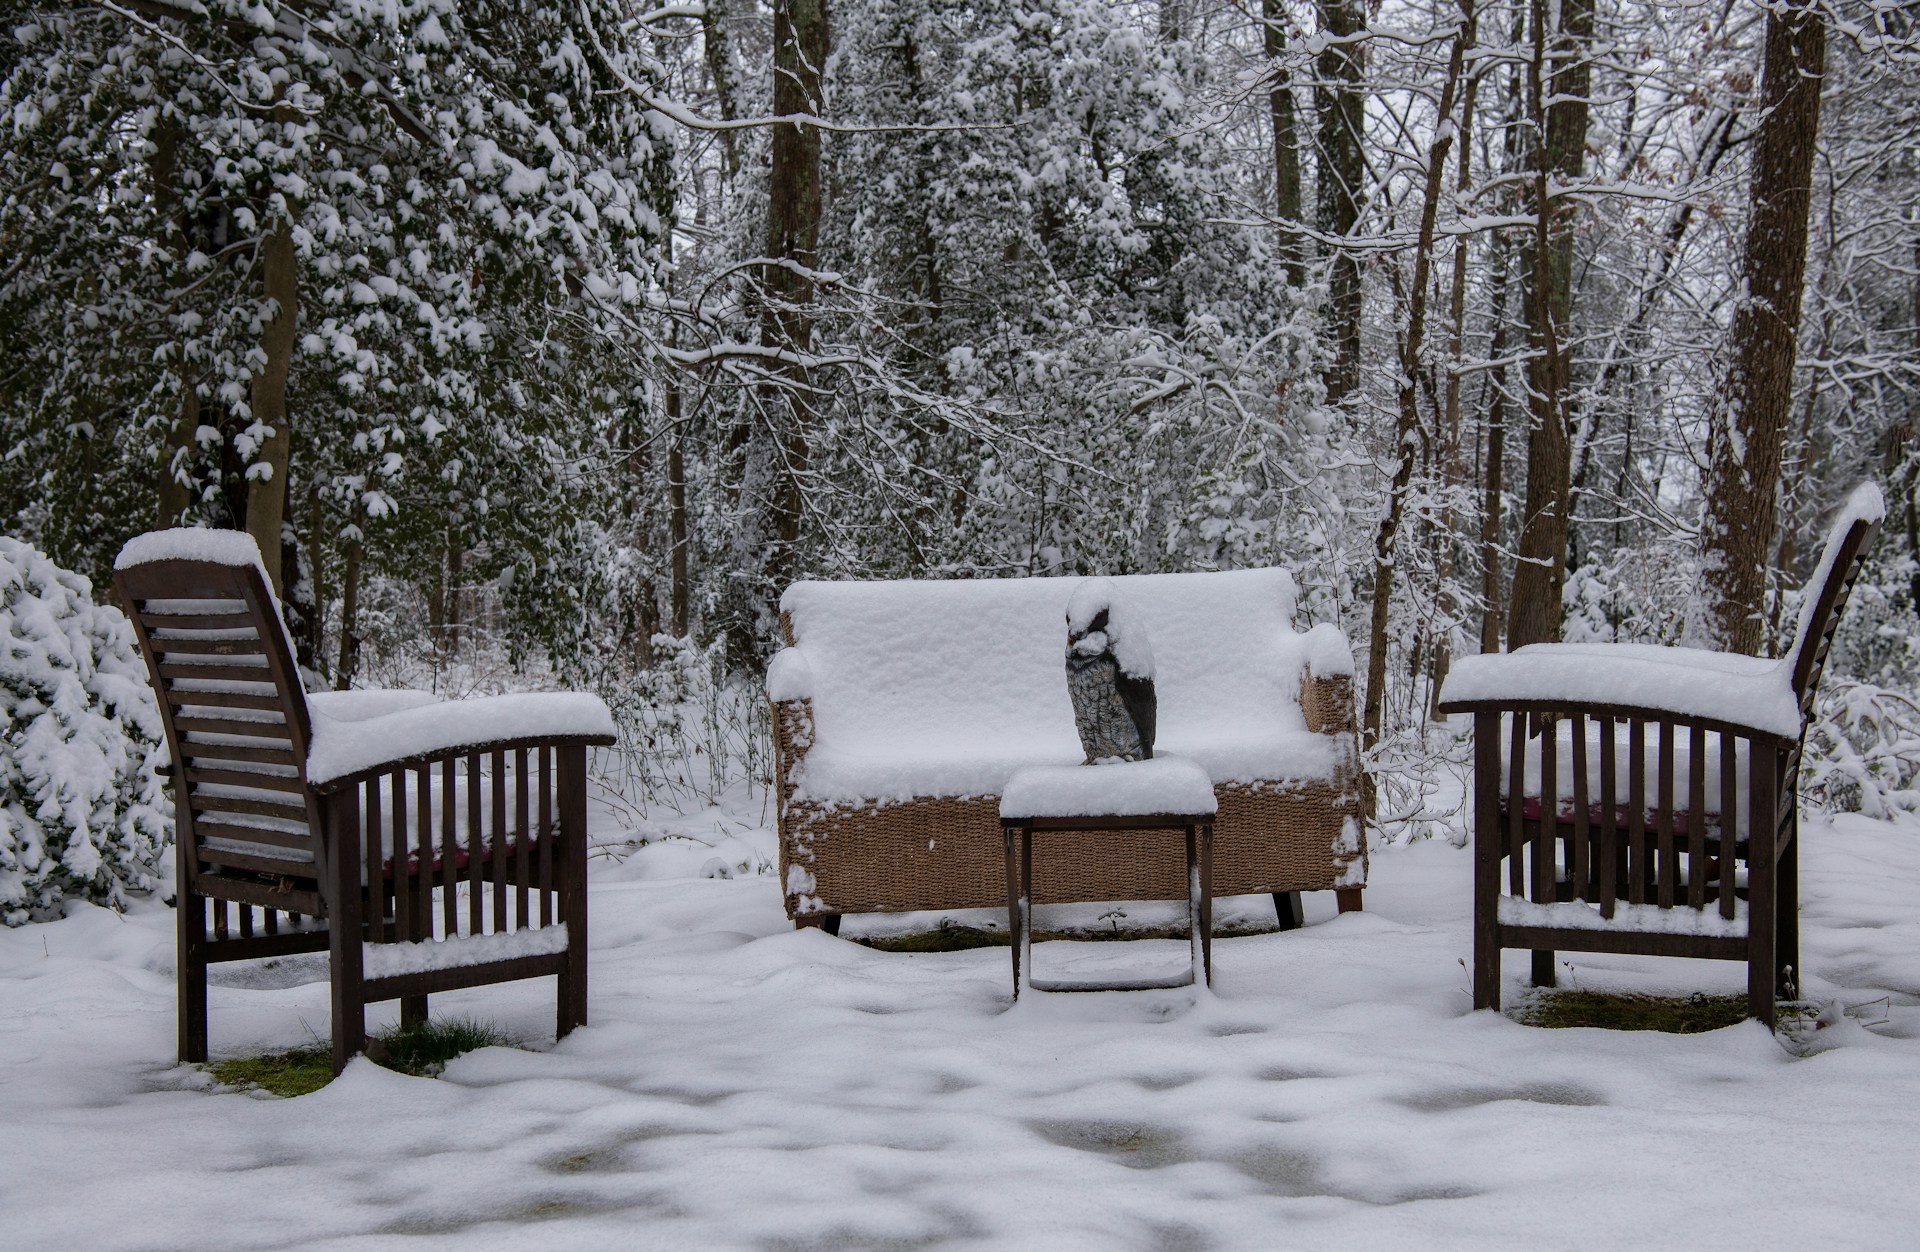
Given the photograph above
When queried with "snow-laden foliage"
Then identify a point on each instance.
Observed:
(1075, 305)
(468, 190)
(82, 813)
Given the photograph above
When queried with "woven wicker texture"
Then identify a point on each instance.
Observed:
(941, 852)
(948, 854)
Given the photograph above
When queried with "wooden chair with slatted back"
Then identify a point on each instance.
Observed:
(1645, 800)
(426, 846)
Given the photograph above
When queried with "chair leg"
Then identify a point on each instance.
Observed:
(1488, 851)
(1349, 899)
(572, 992)
(1286, 906)
(1763, 897)
(1786, 917)
(340, 819)
(413, 1012)
(191, 977)
(349, 1001)
(1543, 968)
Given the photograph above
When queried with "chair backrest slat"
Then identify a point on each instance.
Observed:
(233, 709)
(1840, 561)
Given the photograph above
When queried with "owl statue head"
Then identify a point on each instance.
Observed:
(1100, 622)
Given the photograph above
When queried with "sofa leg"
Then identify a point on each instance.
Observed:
(829, 922)
(1349, 899)
(1286, 906)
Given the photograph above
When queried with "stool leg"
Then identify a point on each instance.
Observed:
(1026, 907)
(1015, 928)
(1196, 956)
(1206, 900)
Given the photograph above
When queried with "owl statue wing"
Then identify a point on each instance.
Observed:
(1142, 706)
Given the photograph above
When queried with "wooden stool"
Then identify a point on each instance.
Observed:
(1164, 794)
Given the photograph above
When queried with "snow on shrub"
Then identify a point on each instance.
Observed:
(82, 813)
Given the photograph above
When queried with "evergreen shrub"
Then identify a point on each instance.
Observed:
(82, 811)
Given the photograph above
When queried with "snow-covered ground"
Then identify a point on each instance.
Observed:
(746, 1086)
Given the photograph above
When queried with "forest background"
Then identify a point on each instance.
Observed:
(550, 340)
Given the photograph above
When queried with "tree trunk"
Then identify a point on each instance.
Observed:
(1560, 110)
(174, 498)
(776, 448)
(716, 43)
(677, 528)
(1407, 429)
(456, 563)
(163, 170)
(1450, 452)
(1286, 143)
(1337, 99)
(267, 475)
(1736, 533)
(349, 613)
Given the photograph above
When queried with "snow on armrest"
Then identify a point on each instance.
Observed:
(1750, 692)
(362, 703)
(341, 749)
(789, 677)
(1328, 653)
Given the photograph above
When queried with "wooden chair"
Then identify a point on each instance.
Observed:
(1645, 800)
(426, 846)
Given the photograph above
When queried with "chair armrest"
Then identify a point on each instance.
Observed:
(1746, 696)
(345, 752)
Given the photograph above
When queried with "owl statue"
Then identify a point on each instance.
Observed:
(1109, 675)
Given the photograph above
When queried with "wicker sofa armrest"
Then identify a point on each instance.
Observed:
(792, 736)
(1327, 702)
(1326, 681)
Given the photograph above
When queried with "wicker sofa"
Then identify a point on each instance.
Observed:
(900, 709)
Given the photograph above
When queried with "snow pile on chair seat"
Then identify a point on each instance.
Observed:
(391, 960)
(1645, 919)
(190, 543)
(343, 747)
(945, 688)
(361, 703)
(1121, 789)
(1744, 691)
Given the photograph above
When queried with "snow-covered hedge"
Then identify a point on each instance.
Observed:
(82, 813)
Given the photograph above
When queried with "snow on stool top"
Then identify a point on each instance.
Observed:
(190, 543)
(1162, 785)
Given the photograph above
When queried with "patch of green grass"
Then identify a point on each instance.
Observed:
(422, 1051)
(1676, 1015)
(292, 1073)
